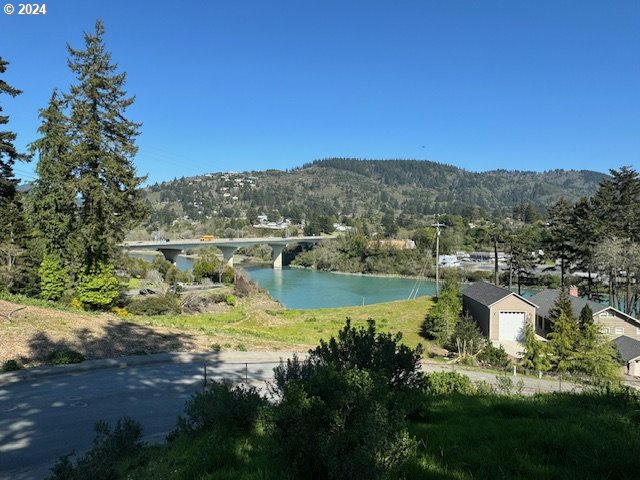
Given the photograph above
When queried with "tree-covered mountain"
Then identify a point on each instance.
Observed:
(351, 188)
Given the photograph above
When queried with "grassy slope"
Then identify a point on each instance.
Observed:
(252, 324)
(256, 324)
(467, 437)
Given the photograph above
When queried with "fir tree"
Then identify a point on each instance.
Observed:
(536, 355)
(13, 235)
(102, 149)
(8, 153)
(560, 240)
(564, 335)
(586, 317)
(52, 200)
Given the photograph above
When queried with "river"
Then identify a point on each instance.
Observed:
(304, 288)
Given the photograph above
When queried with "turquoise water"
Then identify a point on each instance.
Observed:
(302, 288)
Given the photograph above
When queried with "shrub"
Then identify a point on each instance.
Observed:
(338, 425)
(65, 357)
(230, 300)
(381, 354)
(442, 383)
(222, 407)
(75, 303)
(495, 357)
(108, 447)
(160, 305)
(120, 312)
(53, 279)
(343, 409)
(227, 275)
(98, 288)
(241, 347)
(10, 366)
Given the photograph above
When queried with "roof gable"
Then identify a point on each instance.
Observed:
(487, 294)
(628, 347)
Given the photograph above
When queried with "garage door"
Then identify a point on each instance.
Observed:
(510, 325)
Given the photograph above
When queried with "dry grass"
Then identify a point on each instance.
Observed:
(256, 324)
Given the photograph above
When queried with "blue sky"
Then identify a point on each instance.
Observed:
(251, 85)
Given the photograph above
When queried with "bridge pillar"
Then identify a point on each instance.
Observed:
(227, 254)
(170, 254)
(276, 255)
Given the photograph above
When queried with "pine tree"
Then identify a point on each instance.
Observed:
(52, 200)
(13, 235)
(597, 357)
(102, 148)
(559, 235)
(536, 355)
(586, 317)
(8, 153)
(564, 336)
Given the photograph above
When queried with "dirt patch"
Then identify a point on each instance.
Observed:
(34, 333)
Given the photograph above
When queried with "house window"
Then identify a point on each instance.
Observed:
(619, 330)
(606, 314)
(604, 330)
(637, 330)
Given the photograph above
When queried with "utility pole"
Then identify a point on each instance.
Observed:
(437, 225)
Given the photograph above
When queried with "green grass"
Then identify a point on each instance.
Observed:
(543, 437)
(562, 436)
(252, 325)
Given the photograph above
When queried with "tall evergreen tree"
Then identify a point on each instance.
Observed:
(597, 357)
(102, 149)
(13, 235)
(586, 233)
(564, 335)
(52, 200)
(559, 237)
(536, 356)
(8, 152)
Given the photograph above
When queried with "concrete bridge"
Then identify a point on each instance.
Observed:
(228, 246)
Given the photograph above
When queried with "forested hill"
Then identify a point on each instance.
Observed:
(440, 177)
(342, 187)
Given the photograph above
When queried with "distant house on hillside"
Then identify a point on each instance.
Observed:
(611, 321)
(500, 313)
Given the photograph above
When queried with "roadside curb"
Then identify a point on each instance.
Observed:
(142, 360)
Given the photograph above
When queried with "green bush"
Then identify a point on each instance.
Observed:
(98, 288)
(222, 407)
(65, 357)
(382, 354)
(53, 279)
(442, 383)
(492, 356)
(230, 300)
(10, 366)
(160, 305)
(338, 425)
(108, 447)
(343, 409)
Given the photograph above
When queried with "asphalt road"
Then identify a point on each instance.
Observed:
(48, 416)
(46, 413)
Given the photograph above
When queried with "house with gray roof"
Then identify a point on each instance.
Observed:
(629, 350)
(500, 313)
(611, 321)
